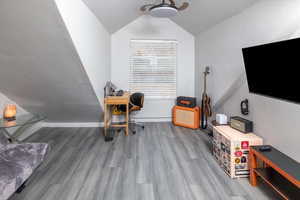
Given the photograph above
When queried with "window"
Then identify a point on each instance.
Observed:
(153, 68)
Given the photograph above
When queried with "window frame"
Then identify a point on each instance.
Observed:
(175, 67)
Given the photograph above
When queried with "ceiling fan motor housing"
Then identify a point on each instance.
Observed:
(163, 10)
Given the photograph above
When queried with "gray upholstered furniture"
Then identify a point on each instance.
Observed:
(17, 163)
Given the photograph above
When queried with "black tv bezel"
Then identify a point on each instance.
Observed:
(260, 94)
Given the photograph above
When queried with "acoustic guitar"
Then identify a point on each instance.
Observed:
(206, 103)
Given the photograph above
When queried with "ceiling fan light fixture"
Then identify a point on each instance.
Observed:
(163, 11)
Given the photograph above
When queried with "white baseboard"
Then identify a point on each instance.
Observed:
(152, 119)
(69, 125)
(98, 124)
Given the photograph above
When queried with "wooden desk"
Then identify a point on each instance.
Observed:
(116, 100)
(279, 171)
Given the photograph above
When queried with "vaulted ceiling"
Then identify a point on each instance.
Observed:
(202, 14)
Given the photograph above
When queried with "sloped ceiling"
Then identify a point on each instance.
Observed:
(201, 14)
(39, 67)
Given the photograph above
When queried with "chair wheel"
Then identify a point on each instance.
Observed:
(143, 127)
(108, 139)
(133, 132)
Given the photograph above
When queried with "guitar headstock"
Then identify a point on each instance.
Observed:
(207, 70)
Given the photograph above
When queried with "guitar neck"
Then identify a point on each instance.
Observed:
(204, 91)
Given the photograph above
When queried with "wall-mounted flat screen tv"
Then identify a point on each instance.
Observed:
(273, 69)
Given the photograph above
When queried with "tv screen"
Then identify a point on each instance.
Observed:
(273, 69)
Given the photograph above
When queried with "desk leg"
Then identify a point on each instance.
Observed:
(253, 165)
(127, 118)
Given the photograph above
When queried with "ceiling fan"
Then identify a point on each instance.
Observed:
(164, 9)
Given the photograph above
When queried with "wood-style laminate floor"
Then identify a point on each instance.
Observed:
(162, 162)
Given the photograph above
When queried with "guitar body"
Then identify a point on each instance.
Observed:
(207, 106)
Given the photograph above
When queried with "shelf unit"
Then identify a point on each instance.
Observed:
(281, 185)
(279, 171)
(116, 100)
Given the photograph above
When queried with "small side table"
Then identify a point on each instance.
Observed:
(22, 123)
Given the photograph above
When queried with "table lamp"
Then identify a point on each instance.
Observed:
(10, 112)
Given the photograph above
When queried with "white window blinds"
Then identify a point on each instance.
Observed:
(153, 66)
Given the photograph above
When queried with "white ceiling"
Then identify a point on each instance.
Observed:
(202, 14)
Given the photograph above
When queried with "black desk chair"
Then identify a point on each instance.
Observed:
(136, 104)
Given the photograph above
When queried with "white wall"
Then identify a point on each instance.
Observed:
(269, 20)
(147, 27)
(40, 65)
(91, 40)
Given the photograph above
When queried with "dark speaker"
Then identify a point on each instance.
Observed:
(188, 102)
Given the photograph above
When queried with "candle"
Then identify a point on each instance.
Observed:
(10, 112)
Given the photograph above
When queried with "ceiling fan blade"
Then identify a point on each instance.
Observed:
(184, 6)
(145, 7)
(172, 2)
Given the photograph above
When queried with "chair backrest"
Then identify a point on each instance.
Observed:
(137, 99)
